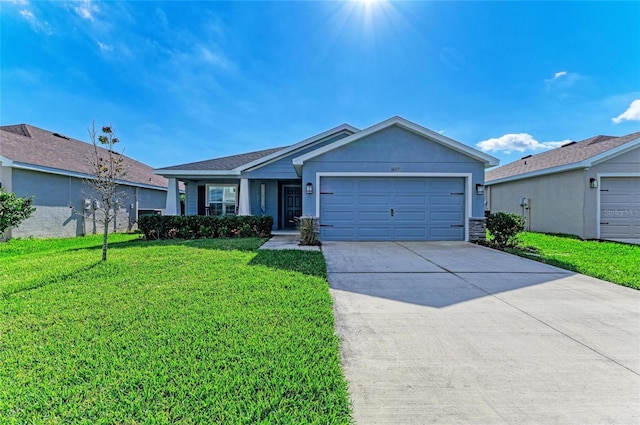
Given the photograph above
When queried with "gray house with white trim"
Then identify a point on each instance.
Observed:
(53, 169)
(589, 188)
(395, 180)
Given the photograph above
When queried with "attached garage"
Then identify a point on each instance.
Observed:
(385, 208)
(620, 207)
(395, 181)
(589, 188)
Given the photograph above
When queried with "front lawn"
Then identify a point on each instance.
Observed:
(203, 331)
(610, 261)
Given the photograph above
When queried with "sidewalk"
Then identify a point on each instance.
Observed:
(290, 241)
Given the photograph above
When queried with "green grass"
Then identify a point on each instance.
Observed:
(206, 331)
(610, 261)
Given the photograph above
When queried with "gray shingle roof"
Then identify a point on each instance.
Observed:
(26, 144)
(225, 163)
(571, 153)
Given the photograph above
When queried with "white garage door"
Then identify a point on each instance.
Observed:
(620, 207)
(398, 208)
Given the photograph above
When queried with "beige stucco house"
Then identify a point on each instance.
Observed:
(589, 188)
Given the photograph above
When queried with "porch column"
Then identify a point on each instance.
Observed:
(244, 207)
(173, 198)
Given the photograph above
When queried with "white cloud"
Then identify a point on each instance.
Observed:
(105, 47)
(86, 10)
(28, 15)
(212, 58)
(563, 79)
(518, 142)
(631, 114)
(36, 24)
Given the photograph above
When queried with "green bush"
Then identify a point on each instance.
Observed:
(504, 228)
(197, 226)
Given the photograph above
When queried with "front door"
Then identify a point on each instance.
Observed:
(291, 205)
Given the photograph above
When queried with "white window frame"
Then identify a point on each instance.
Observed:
(224, 186)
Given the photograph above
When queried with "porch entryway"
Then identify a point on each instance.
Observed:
(291, 205)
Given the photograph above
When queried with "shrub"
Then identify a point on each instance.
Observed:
(308, 228)
(198, 227)
(13, 210)
(504, 228)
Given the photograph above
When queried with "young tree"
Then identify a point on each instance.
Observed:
(13, 210)
(108, 168)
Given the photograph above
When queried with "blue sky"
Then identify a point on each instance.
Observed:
(188, 81)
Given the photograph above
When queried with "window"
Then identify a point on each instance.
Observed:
(223, 199)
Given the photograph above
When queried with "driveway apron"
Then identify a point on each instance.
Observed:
(455, 333)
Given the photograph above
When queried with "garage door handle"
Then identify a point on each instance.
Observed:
(457, 225)
(391, 212)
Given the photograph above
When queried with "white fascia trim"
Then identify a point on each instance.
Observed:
(48, 170)
(598, 208)
(612, 153)
(6, 162)
(589, 162)
(488, 160)
(186, 174)
(306, 142)
(468, 198)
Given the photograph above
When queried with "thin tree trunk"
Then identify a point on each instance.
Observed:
(105, 234)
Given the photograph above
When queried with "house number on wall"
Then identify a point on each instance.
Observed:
(395, 169)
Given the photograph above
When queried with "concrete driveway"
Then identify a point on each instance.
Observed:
(455, 333)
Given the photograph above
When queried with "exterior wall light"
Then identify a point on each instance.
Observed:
(309, 188)
(593, 183)
(480, 189)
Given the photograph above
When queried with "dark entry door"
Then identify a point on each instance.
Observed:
(292, 205)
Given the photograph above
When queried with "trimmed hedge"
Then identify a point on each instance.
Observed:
(198, 226)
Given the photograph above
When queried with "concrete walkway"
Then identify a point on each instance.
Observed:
(288, 241)
(454, 333)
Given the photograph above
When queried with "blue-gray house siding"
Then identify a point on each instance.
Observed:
(392, 181)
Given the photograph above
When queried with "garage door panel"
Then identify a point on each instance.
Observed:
(396, 208)
(620, 207)
(409, 201)
(446, 199)
(452, 185)
(373, 233)
(338, 233)
(410, 186)
(451, 217)
(340, 216)
(374, 200)
(410, 217)
(446, 234)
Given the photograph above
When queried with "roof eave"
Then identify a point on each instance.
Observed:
(537, 173)
(79, 175)
(612, 153)
(194, 173)
(589, 162)
(286, 151)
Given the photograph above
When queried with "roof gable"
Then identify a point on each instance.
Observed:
(584, 153)
(488, 160)
(236, 164)
(31, 147)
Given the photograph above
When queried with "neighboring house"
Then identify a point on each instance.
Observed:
(53, 169)
(589, 188)
(395, 180)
